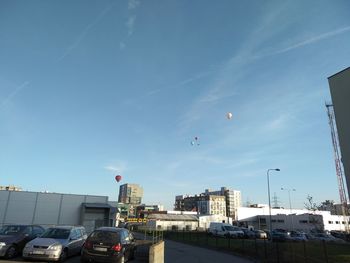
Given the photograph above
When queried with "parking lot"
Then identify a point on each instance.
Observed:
(140, 256)
(75, 259)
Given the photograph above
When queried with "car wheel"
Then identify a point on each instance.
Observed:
(132, 254)
(63, 255)
(11, 252)
(122, 259)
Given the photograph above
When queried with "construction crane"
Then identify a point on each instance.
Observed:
(338, 164)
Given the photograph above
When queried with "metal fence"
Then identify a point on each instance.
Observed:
(146, 237)
(263, 250)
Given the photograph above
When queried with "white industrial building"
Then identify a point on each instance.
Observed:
(291, 219)
(181, 220)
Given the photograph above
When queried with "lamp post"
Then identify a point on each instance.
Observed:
(290, 202)
(289, 190)
(268, 191)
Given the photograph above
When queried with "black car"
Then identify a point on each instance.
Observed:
(14, 237)
(109, 244)
(280, 235)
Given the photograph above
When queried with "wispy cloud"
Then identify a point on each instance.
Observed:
(84, 32)
(278, 123)
(311, 40)
(130, 22)
(227, 82)
(182, 83)
(16, 90)
(117, 167)
(132, 4)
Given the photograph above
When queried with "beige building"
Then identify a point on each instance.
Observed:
(130, 194)
(232, 197)
(10, 188)
(210, 202)
(339, 85)
(212, 205)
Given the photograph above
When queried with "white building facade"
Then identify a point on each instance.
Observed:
(295, 219)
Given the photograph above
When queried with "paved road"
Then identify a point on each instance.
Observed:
(176, 252)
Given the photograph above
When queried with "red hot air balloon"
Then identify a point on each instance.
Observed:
(118, 178)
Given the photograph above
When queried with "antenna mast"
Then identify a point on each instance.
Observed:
(338, 164)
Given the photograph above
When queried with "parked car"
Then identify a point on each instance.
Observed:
(14, 237)
(341, 235)
(56, 243)
(225, 230)
(260, 234)
(325, 237)
(109, 244)
(248, 233)
(297, 236)
(280, 235)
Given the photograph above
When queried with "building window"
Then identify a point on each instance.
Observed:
(273, 220)
(337, 222)
(262, 220)
(303, 221)
(280, 221)
(343, 222)
(330, 222)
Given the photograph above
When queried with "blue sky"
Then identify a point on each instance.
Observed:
(91, 89)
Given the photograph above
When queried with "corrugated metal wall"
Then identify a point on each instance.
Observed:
(17, 207)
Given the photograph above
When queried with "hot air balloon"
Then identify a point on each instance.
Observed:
(229, 115)
(196, 141)
(118, 178)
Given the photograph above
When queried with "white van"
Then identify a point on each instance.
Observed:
(225, 230)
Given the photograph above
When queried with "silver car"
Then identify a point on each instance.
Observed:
(56, 244)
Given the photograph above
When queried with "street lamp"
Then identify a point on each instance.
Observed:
(290, 203)
(289, 190)
(268, 191)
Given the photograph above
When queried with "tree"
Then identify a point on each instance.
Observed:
(310, 204)
(327, 205)
(313, 218)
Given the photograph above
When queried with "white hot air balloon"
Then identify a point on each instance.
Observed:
(229, 115)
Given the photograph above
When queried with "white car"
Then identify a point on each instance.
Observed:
(56, 244)
(224, 229)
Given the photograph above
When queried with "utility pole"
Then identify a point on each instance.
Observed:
(275, 200)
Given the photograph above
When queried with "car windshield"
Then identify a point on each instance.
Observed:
(230, 228)
(11, 230)
(104, 236)
(56, 233)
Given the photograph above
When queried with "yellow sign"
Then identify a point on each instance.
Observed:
(136, 220)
